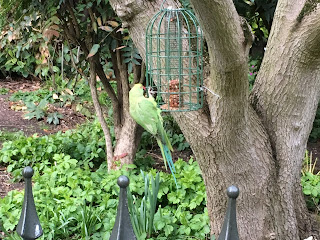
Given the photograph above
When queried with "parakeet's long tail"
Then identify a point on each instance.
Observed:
(166, 154)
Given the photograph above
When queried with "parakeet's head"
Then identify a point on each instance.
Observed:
(137, 90)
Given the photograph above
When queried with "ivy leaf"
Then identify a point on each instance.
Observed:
(93, 50)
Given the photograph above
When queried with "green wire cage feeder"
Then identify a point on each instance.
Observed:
(174, 46)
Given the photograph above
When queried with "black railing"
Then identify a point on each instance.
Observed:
(123, 229)
(29, 227)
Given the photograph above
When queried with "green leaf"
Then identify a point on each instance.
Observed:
(135, 61)
(93, 50)
(315, 192)
(167, 230)
(55, 69)
(43, 103)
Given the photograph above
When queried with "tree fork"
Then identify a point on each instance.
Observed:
(239, 142)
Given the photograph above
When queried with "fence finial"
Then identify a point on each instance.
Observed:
(230, 230)
(123, 229)
(29, 227)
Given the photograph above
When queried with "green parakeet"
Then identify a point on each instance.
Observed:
(146, 113)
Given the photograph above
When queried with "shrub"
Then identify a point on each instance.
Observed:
(310, 182)
(86, 144)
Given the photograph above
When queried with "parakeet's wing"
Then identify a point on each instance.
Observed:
(145, 113)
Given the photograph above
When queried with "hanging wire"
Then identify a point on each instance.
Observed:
(213, 93)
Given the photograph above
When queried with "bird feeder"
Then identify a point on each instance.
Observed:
(174, 46)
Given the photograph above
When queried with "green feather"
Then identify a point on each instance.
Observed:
(146, 113)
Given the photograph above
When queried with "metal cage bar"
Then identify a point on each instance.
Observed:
(174, 60)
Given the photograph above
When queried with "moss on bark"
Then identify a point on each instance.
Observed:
(307, 9)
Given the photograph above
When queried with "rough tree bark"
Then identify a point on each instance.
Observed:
(255, 141)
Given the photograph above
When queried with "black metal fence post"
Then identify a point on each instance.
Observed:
(123, 229)
(230, 230)
(29, 227)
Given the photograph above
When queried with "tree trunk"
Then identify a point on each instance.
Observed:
(128, 142)
(255, 142)
(128, 134)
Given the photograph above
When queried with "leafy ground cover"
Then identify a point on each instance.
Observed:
(75, 184)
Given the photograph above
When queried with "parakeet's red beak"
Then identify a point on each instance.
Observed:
(144, 88)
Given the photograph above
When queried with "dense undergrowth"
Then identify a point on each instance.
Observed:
(63, 190)
(71, 179)
(76, 196)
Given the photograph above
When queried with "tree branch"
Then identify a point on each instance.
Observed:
(114, 100)
(124, 82)
(117, 75)
(288, 10)
(136, 69)
(91, 15)
(228, 38)
(107, 134)
(74, 20)
(222, 27)
(308, 31)
(143, 72)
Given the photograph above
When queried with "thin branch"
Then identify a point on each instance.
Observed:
(74, 64)
(105, 128)
(69, 25)
(66, 29)
(114, 100)
(143, 73)
(105, 80)
(116, 72)
(91, 15)
(124, 80)
(74, 20)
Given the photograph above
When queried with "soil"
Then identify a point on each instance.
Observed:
(13, 121)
